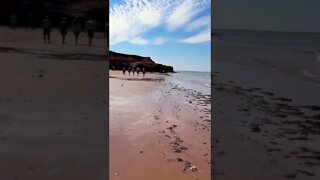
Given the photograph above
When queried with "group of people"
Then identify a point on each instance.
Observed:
(133, 70)
(76, 25)
(76, 28)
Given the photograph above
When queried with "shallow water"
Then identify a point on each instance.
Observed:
(198, 81)
(294, 53)
(284, 63)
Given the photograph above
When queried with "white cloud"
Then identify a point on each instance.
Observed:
(139, 41)
(130, 19)
(204, 21)
(201, 37)
(159, 41)
(150, 17)
(184, 12)
(133, 18)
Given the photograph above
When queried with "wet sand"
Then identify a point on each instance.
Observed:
(265, 127)
(157, 130)
(53, 115)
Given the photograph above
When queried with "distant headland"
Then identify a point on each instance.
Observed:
(118, 61)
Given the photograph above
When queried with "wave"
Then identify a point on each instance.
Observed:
(197, 81)
(207, 85)
(311, 75)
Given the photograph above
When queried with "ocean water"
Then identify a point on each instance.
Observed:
(286, 63)
(294, 53)
(198, 81)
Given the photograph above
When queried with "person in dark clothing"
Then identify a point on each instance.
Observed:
(133, 70)
(90, 26)
(76, 27)
(63, 29)
(46, 25)
(138, 70)
(143, 71)
(129, 70)
(124, 71)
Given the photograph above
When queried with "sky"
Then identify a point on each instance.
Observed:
(275, 15)
(171, 32)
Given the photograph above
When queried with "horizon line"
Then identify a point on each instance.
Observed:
(262, 30)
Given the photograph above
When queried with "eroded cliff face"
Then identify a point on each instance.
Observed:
(118, 61)
(35, 10)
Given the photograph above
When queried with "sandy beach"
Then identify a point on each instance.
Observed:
(157, 130)
(53, 102)
(266, 122)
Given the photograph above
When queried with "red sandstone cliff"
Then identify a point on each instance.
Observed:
(118, 60)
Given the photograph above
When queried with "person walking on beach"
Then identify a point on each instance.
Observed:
(46, 25)
(143, 71)
(133, 70)
(124, 70)
(76, 27)
(63, 29)
(13, 21)
(129, 70)
(138, 69)
(90, 26)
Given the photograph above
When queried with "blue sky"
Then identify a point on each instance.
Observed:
(171, 32)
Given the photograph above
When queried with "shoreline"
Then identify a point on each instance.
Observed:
(155, 130)
(275, 130)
